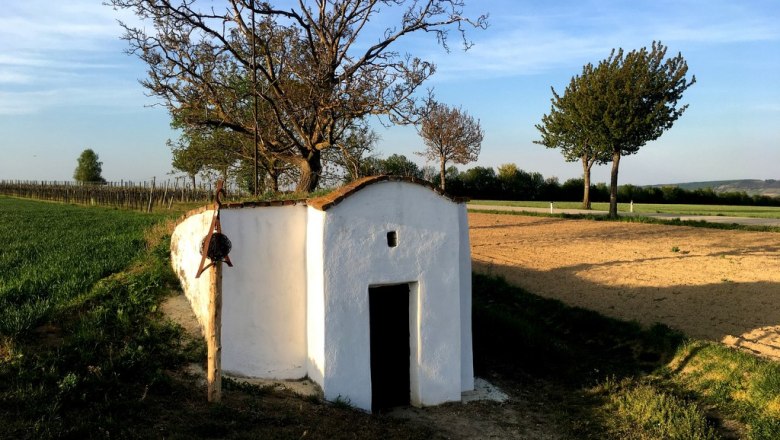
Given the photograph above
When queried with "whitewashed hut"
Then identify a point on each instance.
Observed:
(367, 291)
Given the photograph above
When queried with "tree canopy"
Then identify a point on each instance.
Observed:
(88, 168)
(571, 123)
(297, 77)
(450, 135)
(615, 108)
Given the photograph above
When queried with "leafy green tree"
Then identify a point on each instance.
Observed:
(571, 189)
(481, 182)
(619, 105)
(89, 168)
(371, 166)
(187, 160)
(201, 149)
(570, 126)
(551, 189)
(517, 184)
(508, 176)
(454, 181)
(400, 165)
(450, 135)
(640, 93)
(305, 69)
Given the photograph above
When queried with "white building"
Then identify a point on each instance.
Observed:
(367, 291)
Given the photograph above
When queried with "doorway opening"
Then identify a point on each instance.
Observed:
(390, 353)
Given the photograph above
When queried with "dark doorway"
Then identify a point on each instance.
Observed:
(389, 317)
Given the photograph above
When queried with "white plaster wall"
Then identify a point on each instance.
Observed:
(466, 351)
(315, 298)
(356, 256)
(185, 258)
(264, 294)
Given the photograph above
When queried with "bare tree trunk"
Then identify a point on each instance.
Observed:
(192, 176)
(613, 184)
(311, 168)
(586, 166)
(443, 172)
(274, 175)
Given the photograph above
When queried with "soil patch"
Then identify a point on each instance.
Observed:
(714, 284)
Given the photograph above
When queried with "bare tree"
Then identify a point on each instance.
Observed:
(450, 135)
(353, 151)
(314, 75)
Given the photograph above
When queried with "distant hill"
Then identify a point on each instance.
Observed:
(750, 186)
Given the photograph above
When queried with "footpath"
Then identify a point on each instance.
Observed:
(750, 221)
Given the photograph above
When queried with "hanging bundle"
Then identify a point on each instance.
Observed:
(215, 245)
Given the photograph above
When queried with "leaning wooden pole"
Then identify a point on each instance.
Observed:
(215, 247)
(214, 334)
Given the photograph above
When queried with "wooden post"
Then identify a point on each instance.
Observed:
(151, 195)
(214, 334)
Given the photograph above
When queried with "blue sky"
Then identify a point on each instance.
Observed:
(66, 85)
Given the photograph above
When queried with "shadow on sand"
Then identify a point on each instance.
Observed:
(742, 314)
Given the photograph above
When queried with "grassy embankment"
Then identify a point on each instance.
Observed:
(615, 379)
(651, 208)
(84, 352)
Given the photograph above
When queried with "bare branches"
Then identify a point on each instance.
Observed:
(310, 78)
(451, 135)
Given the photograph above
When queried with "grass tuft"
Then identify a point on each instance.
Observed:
(643, 412)
(745, 386)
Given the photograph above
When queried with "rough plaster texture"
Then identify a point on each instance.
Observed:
(315, 299)
(264, 294)
(185, 258)
(356, 255)
(296, 301)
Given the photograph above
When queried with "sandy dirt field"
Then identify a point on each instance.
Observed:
(708, 283)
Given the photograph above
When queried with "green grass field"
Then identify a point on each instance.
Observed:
(54, 254)
(78, 291)
(649, 208)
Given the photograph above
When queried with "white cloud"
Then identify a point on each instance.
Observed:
(11, 77)
(45, 26)
(60, 53)
(574, 34)
(33, 101)
(22, 103)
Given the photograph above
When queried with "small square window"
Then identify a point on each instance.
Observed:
(392, 239)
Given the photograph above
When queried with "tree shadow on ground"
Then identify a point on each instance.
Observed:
(519, 332)
(553, 353)
(718, 311)
(561, 351)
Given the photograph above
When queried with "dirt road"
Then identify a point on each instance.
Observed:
(749, 221)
